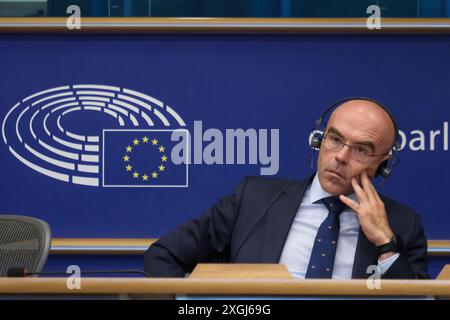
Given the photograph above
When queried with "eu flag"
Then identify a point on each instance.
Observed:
(141, 158)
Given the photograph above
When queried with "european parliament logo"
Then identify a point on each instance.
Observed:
(97, 135)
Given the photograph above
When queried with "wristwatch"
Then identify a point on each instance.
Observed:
(395, 245)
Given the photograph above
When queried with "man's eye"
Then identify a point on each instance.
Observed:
(335, 139)
(362, 150)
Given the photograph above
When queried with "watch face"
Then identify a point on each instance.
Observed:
(391, 246)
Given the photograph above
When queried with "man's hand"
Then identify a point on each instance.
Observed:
(370, 212)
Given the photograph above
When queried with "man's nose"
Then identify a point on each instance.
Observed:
(344, 154)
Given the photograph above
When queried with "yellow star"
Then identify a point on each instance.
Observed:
(135, 175)
(154, 175)
(126, 158)
(164, 158)
(129, 167)
(136, 142)
(154, 142)
(145, 177)
(129, 149)
(161, 168)
(161, 149)
(145, 139)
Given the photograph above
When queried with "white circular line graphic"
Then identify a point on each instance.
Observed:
(34, 133)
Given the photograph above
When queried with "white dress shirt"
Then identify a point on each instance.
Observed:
(299, 243)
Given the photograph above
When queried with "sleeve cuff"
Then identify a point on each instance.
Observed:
(386, 264)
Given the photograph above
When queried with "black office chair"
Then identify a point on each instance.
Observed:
(24, 243)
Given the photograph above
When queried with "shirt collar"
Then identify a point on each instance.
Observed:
(316, 192)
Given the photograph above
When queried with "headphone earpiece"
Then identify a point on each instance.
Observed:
(316, 139)
(383, 170)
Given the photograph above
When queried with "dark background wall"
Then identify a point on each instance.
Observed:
(235, 81)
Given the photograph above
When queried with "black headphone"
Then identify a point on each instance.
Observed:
(384, 170)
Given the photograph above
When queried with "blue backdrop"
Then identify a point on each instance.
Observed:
(227, 82)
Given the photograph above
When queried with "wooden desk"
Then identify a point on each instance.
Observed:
(445, 273)
(240, 271)
(264, 287)
(248, 282)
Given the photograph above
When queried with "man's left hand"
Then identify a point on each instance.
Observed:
(370, 211)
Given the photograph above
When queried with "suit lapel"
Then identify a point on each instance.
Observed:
(366, 254)
(279, 220)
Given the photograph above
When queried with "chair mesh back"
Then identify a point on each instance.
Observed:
(24, 243)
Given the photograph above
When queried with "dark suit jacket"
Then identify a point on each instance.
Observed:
(220, 231)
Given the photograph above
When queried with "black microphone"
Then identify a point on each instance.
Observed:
(19, 272)
(274, 199)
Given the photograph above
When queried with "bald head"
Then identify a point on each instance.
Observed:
(370, 115)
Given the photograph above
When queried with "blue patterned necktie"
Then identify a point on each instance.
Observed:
(324, 249)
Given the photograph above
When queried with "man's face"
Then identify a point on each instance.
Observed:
(358, 123)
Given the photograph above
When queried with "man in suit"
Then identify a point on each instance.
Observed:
(332, 225)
